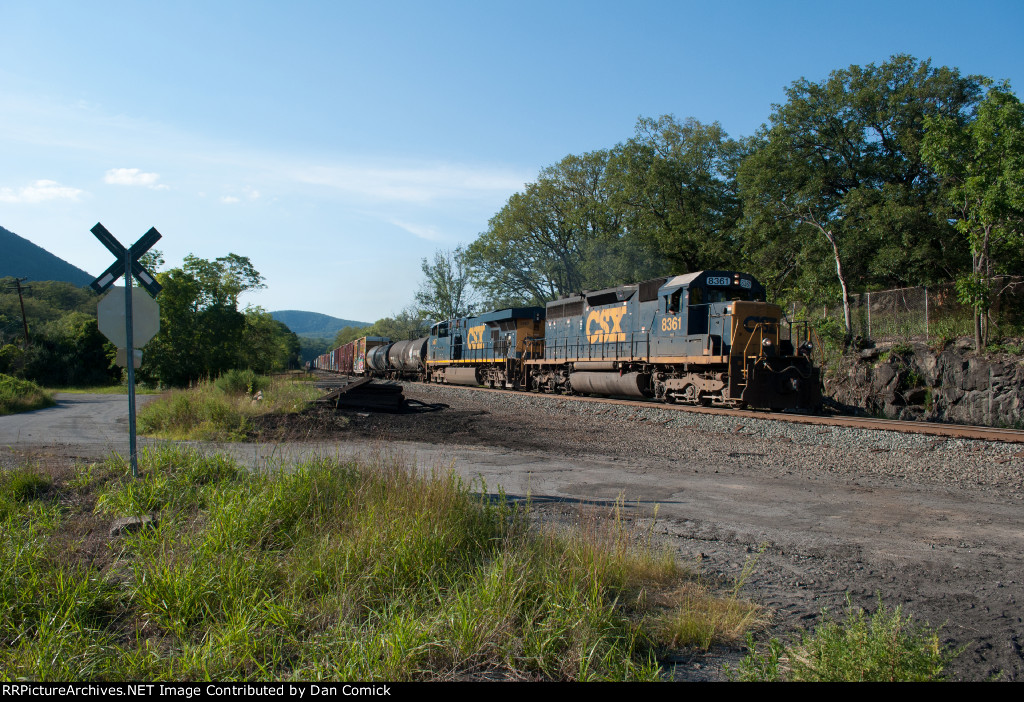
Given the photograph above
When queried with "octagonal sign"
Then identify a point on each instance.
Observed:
(145, 317)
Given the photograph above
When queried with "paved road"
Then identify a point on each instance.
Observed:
(78, 420)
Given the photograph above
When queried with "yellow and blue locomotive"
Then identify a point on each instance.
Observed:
(485, 350)
(707, 337)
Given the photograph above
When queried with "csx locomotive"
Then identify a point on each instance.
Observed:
(705, 338)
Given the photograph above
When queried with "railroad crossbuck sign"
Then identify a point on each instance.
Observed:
(129, 320)
(118, 268)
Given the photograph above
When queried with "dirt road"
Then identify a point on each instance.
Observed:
(853, 522)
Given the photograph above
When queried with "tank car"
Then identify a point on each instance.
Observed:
(707, 337)
(406, 359)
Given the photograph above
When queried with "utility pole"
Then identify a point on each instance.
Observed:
(24, 321)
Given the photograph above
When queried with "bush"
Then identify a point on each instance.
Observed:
(21, 395)
(237, 382)
(885, 646)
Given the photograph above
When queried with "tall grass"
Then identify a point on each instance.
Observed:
(18, 395)
(222, 410)
(326, 570)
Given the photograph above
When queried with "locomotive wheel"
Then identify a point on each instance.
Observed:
(690, 395)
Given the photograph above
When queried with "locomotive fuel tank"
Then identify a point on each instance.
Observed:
(628, 384)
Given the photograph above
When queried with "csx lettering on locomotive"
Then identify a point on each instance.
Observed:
(475, 337)
(604, 326)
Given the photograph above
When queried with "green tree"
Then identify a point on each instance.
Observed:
(840, 168)
(347, 334)
(407, 324)
(675, 187)
(981, 163)
(267, 344)
(70, 351)
(445, 292)
(555, 237)
(202, 332)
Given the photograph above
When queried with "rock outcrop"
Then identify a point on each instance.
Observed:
(915, 381)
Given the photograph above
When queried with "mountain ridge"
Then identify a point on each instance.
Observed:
(23, 259)
(314, 324)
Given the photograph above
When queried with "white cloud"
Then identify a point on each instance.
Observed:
(422, 231)
(133, 176)
(414, 184)
(229, 199)
(40, 191)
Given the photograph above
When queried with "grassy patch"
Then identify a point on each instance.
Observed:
(223, 410)
(326, 570)
(18, 395)
(883, 646)
(107, 390)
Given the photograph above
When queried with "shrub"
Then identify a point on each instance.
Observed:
(21, 395)
(238, 382)
(885, 646)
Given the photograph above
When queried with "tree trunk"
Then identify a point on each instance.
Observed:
(847, 316)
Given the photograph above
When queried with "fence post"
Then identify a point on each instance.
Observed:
(869, 315)
(926, 313)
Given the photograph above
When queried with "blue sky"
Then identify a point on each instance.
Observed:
(338, 143)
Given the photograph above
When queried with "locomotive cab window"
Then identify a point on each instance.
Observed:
(729, 295)
(672, 302)
(440, 329)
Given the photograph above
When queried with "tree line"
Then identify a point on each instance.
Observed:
(203, 332)
(882, 176)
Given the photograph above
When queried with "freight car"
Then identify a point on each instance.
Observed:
(702, 338)
(350, 359)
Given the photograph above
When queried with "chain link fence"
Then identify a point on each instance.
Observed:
(923, 313)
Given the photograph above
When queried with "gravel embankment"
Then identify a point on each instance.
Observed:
(552, 423)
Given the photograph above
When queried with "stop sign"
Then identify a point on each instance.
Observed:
(145, 317)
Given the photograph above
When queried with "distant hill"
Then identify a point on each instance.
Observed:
(314, 324)
(21, 258)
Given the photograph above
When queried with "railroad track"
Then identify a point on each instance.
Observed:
(952, 431)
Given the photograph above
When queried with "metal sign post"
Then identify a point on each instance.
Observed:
(127, 262)
(130, 344)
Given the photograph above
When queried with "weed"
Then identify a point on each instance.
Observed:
(207, 412)
(18, 395)
(700, 619)
(239, 382)
(884, 646)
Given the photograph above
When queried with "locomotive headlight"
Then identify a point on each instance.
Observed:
(767, 343)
